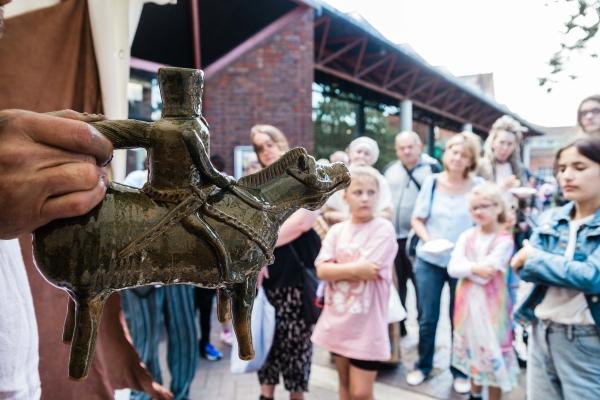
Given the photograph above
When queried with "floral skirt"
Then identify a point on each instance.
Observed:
(480, 347)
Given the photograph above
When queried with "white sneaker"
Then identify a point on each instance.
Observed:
(415, 378)
(461, 385)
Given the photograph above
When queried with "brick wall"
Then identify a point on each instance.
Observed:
(269, 84)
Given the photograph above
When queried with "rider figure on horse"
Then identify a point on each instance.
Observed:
(180, 170)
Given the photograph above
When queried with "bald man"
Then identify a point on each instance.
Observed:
(404, 177)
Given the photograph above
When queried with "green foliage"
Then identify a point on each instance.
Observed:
(334, 125)
(377, 126)
(580, 28)
(336, 119)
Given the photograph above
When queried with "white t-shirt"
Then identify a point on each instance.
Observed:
(19, 377)
(562, 305)
(503, 172)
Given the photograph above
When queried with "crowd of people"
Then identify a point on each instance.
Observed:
(458, 221)
(452, 222)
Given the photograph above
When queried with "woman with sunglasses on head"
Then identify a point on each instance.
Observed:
(562, 259)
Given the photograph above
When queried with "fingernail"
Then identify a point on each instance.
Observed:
(108, 161)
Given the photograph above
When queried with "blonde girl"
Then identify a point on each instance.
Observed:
(356, 260)
(482, 338)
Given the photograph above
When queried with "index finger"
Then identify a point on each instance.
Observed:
(67, 134)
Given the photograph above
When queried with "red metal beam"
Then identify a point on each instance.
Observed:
(413, 81)
(341, 51)
(477, 114)
(473, 107)
(448, 106)
(424, 86)
(388, 73)
(324, 38)
(447, 92)
(320, 21)
(465, 107)
(433, 89)
(401, 77)
(361, 55)
(393, 94)
(343, 39)
(494, 115)
(371, 67)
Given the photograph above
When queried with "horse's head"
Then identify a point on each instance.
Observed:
(319, 180)
(296, 180)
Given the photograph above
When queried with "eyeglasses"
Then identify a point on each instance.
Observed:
(482, 207)
(593, 111)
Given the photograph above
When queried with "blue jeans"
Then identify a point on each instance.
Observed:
(430, 280)
(563, 362)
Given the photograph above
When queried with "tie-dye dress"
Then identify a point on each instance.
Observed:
(482, 345)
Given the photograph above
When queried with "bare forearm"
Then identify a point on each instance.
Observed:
(420, 229)
(298, 223)
(332, 271)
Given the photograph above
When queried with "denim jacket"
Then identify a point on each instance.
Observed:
(547, 266)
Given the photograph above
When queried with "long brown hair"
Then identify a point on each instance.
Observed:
(274, 133)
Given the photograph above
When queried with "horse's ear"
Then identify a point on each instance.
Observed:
(303, 162)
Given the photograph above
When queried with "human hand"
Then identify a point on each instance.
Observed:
(333, 216)
(484, 271)
(366, 270)
(160, 392)
(51, 167)
(262, 275)
(521, 256)
(511, 182)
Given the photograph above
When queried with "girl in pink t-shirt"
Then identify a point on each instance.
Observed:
(356, 260)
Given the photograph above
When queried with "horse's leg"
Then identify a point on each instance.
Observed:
(223, 305)
(242, 298)
(87, 319)
(69, 322)
(199, 227)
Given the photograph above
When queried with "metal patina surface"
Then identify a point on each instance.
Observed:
(188, 224)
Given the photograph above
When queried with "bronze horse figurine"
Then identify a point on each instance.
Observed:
(81, 255)
(188, 224)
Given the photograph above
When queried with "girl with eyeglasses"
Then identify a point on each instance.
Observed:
(440, 216)
(482, 337)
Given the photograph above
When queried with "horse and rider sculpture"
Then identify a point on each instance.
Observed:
(189, 224)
